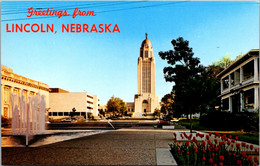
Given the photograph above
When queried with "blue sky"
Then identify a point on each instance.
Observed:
(106, 63)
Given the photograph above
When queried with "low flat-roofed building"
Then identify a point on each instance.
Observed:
(62, 102)
(12, 83)
(240, 83)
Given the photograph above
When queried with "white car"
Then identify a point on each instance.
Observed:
(66, 120)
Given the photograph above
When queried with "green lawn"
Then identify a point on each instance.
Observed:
(243, 136)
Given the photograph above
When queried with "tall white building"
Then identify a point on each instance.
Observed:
(146, 100)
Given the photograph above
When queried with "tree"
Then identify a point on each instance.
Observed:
(167, 105)
(184, 71)
(224, 62)
(73, 112)
(116, 106)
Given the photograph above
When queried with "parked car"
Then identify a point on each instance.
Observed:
(66, 120)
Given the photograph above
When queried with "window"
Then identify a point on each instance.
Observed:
(145, 102)
(225, 104)
(249, 97)
(55, 113)
(83, 113)
(232, 79)
(66, 113)
(60, 113)
(237, 76)
(50, 113)
(248, 70)
(146, 54)
(225, 82)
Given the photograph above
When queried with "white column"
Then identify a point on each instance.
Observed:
(230, 104)
(229, 81)
(256, 68)
(2, 99)
(256, 105)
(10, 105)
(241, 74)
(241, 102)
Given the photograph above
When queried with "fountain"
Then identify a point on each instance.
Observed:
(28, 115)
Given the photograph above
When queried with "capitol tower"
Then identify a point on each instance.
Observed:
(145, 101)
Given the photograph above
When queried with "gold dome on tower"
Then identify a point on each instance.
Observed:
(146, 42)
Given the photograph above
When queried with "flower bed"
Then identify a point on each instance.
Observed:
(212, 149)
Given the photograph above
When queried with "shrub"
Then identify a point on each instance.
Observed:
(231, 121)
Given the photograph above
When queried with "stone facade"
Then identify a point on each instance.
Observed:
(145, 101)
(12, 83)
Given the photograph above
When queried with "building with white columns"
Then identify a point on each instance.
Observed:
(12, 83)
(240, 84)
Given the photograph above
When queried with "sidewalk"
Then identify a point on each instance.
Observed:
(118, 147)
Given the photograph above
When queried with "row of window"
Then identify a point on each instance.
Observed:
(66, 113)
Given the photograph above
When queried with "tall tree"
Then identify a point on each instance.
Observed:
(116, 106)
(224, 62)
(167, 105)
(184, 71)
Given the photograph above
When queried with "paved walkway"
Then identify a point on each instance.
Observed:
(118, 147)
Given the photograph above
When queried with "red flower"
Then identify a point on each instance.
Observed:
(243, 144)
(239, 162)
(215, 165)
(229, 154)
(230, 136)
(207, 136)
(209, 141)
(179, 149)
(204, 158)
(243, 154)
(234, 154)
(216, 149)
(196, 151)
(221, 158)
(236, 137)
(188, 153)
(233, 140)
(187, 143)
(203, 143)
(251, 147)
(210, 160)
(203, 150)
(238, 145)
(210, 133)
(249, 158)
(216, 141)
(221, 164)
(213, 154)
(228, 142)
(256, 159)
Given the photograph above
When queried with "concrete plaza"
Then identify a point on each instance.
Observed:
(116, 147)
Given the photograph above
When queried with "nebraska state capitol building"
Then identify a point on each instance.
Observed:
(145, 101)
